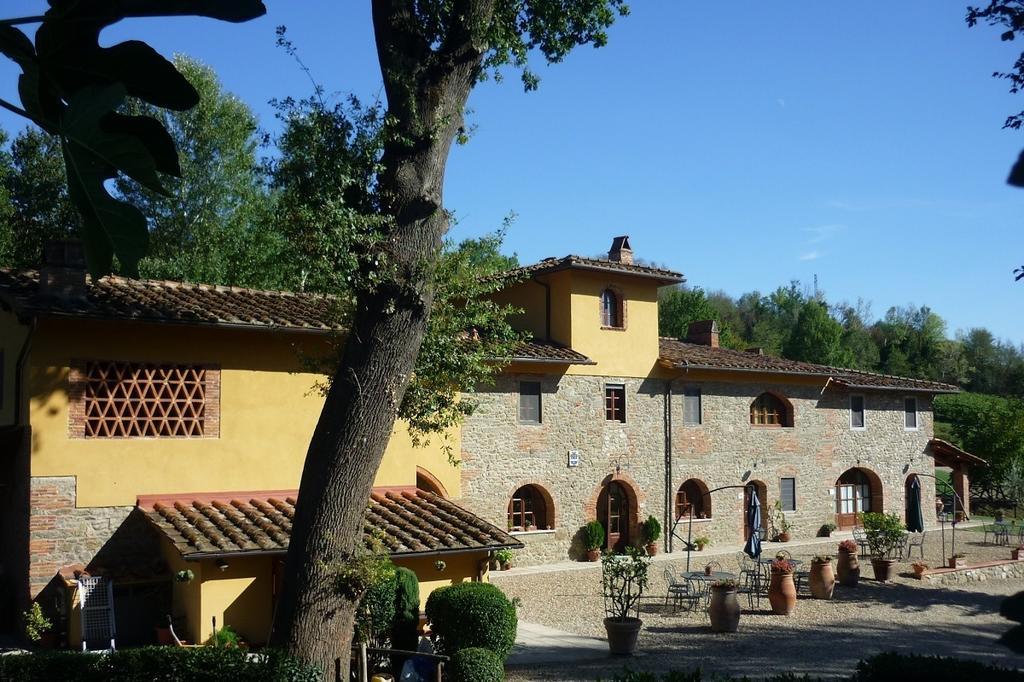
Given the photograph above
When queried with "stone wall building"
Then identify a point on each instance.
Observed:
(703, 426)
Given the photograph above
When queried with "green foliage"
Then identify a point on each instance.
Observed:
(914, 668)
(375, 616)
(651, 529)
(989, 427)
(593, 535)
(225, 636)
(158, 664)
(885, 532)
(405, 626)
(815, 337)
(74, 88)
(475, 664)
(503, 555)
(623, 582)
(680, 305)
(36, 623)
(472, 615)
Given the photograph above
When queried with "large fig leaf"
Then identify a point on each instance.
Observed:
(84, 124)
(15, 45)
(110, 226)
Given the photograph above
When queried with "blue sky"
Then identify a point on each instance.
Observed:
(860, 142)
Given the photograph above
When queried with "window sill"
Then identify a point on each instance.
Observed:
(522, 423)
(686, 519)
(769, 426)
(858, 428)
(532, 532)
(917, 428)
(612, 329)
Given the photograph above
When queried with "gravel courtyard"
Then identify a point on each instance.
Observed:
(824, 638)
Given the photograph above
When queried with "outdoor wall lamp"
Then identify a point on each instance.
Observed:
(222, 564)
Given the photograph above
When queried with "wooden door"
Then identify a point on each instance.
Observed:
(853, 496)
(614, 507)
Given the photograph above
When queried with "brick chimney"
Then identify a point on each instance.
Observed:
(703, 332)
(621, 251)
(63, 273)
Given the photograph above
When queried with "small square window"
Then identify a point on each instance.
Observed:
(529, 402)
(910, 414)
(615, 403)
(787, 493)
(857, 411)
(691, 406)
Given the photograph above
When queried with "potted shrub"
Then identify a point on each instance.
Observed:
(779, 525)
(885, 533)
(847, 566)
(593, 538)
(701, 541)
(724, 610)
(919, 568)
(651, 530)
(38, 628)
(1017, 551)
(781, 589)
(826, 529)
(504, 558)
(623, 581)
(955, 560)
(822, 580)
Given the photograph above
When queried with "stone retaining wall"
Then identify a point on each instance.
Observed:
(1003, 571)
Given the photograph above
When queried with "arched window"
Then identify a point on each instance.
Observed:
(429, 482)
(770, 410)
(529, 509)
(611, 309)
(692, 496)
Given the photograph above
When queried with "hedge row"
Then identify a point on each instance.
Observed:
(157, 664)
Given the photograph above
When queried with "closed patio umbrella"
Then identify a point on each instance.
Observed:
(753, 512)
(915, 520)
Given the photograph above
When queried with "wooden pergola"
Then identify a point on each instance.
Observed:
(960, 461)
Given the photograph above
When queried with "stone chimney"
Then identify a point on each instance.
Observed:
(621, 251)
(63, 273)
(703, 332)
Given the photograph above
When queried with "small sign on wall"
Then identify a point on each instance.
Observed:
(574, 458)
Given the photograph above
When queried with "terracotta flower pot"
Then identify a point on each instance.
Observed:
(622, 635)
(652, 548)
(506, 565)
(724, 610)
(784, 537)
(956, 562)
(884, 569)
(848, 569)
(823, 580)
(1015, 553)
(782, 593)
(919, 569)
(593, 554)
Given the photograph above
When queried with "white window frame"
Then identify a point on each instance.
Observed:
(864, 412)
(917, 414)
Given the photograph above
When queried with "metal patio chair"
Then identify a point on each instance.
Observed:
(915, 540)
(680, 592)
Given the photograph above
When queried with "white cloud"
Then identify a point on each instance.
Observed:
(810, 255)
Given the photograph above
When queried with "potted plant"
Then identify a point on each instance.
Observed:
(623, 581)
(847, 566)
(885, 533)
(919, 568)
(822, 580)
(651, 530)
(38, 628)
(779, 525)
(724, 610)
(1017, 551)
(701, 541)
(954, 561)
(593, 538)
(781, 589)
(826, 529)
(504, 558)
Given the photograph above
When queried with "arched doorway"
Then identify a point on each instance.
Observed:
(615, 512)
(761, 490)
(857, 490)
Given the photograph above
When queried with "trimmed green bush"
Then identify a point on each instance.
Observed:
(651, 529)
(476, 665)
(157, 664)
(376, 611)
(405, 626)
(913, 668)
(593, 535)
(472, 615)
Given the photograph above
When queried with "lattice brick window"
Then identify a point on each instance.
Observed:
(142, 400)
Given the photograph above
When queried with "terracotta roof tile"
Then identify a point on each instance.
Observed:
(406, 521)
(680, 354)
(150, 300)
(536, 350)
(597, 264)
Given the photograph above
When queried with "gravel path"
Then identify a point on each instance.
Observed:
(820, 638)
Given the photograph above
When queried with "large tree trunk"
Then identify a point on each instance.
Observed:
(427, 88)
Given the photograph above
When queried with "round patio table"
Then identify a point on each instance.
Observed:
(706, 581)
